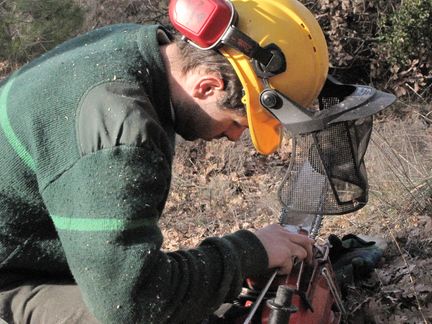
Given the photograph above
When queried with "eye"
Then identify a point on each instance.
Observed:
(237, 124)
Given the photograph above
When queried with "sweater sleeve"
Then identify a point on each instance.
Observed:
(105, 209)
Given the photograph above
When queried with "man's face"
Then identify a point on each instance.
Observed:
(209, 121)
(198, 112)
(224, 123)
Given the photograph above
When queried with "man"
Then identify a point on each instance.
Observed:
(87, 143)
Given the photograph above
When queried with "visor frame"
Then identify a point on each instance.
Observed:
(359, 101)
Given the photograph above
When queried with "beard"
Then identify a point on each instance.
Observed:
(191, 122)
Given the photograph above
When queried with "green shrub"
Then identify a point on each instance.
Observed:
(29, 28)
(407, 33)
(383, 42)
(406, 43)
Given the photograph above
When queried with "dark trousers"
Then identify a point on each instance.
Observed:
(37, 302)
(41, 302)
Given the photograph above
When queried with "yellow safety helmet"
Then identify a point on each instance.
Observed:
(284, 25)
(294, 29)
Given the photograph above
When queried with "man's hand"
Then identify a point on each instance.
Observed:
(283, 246)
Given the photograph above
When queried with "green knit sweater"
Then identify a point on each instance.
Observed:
(86, 142)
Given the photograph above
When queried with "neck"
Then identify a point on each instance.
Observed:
(173, 62)
(177, 83)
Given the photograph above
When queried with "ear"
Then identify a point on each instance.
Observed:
(206, 86)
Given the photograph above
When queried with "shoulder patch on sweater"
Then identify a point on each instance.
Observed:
(115, 113)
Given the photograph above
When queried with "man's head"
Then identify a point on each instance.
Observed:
(206, 93)
(271, 44)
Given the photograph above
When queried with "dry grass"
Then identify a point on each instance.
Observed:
(218, 187)
(6, 68)
(103, 12)
(399, 162)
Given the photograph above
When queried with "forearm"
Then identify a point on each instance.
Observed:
(112, 243)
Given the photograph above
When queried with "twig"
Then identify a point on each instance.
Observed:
(360, 305)
(426, 89)
(403, 158)
(424, 117)
(415, 92)
(421, 185)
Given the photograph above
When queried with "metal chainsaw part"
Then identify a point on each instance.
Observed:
(316, 226)
(298, 223)
(315, 295)
(260, 298)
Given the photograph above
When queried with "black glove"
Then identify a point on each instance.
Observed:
(353, 259)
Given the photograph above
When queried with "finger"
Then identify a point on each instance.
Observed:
(309, 249)
(305, 242)
(301, 239)
(298, 251)
(286, 268)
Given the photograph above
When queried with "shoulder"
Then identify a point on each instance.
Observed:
(118, 113)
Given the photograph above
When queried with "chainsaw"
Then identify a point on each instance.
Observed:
(309, 294)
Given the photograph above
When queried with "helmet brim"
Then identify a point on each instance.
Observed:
(376, 103)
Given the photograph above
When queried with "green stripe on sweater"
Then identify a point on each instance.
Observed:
(98, 225)
(8, 131)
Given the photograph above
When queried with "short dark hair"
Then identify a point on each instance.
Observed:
(213, 61)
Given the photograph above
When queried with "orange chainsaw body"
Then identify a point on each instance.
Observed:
(316, 297)
(324, 309)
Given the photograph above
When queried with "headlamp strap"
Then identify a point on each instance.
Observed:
(243, 43)
(270, 59)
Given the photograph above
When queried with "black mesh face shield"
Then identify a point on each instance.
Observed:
(327, 173)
